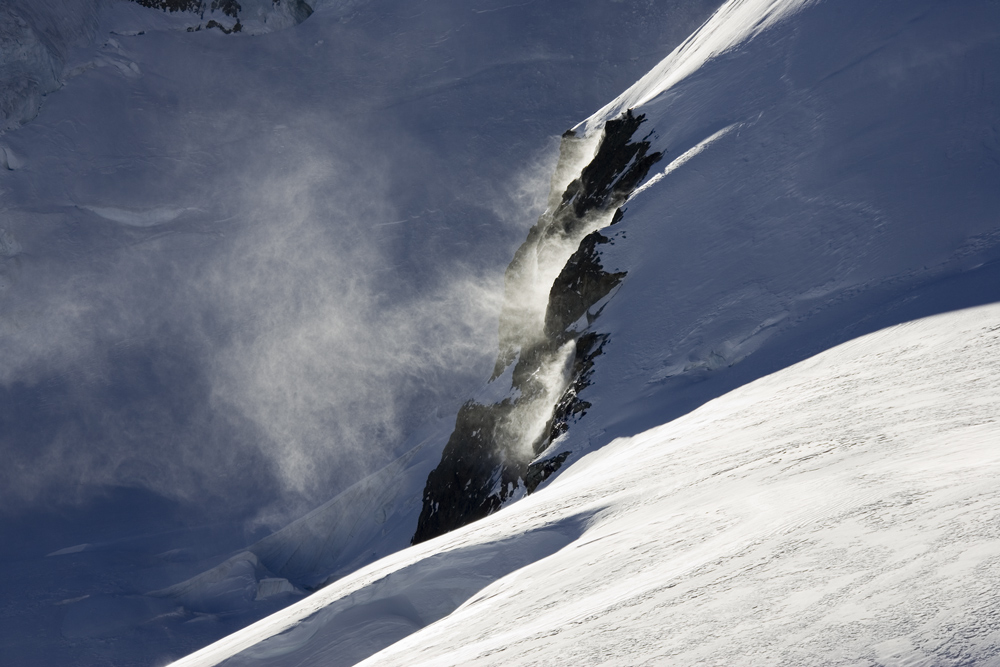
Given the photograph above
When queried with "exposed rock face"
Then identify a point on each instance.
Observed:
(589, 203)
(494, 450)
(233, 15)
(172, 5)
(582, 282)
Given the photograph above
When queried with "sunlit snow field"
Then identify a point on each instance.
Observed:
(839, 512)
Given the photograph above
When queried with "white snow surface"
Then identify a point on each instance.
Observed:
(735, 23)
(839, 512)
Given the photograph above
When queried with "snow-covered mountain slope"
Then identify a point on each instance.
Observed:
(838, 512)
(794, 175)
(238, 273)
(822, 169)
(215, 202)
(36, 37)
(822, 177)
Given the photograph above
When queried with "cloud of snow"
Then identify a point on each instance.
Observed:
(249, 276)
(303, 357)
(325, 360)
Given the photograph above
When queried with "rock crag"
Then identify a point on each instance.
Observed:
(499, 451)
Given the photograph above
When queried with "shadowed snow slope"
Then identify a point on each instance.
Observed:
(823, 170)
(840, 511)
(826, 176)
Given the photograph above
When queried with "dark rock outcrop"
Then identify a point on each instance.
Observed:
(616, 170)
(228, 7)
(494, 450)
(604, 184)
(173, 5)
(582, 283)
(474, 477)
(299, 10)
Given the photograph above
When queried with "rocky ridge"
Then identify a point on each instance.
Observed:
(501, 450)
(231, 16)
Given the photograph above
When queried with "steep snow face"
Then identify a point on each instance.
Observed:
(734, 24)
(209, 297)
(829, 169)
(826, 176)
(839, 512)
(826, 171)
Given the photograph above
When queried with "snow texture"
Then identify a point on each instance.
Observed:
(838, 512)
(238, 272)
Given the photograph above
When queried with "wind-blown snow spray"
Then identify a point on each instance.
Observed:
(554, 280)
(302, 365)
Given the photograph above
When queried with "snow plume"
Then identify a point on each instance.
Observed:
(322, 358)
(277, 308)
(535, 268)
(230, 258)
(530, 420)
(595, 175)
(554, 280)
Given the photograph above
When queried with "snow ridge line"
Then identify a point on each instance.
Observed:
(734, 23)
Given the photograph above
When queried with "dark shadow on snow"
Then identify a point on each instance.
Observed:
(372, 618)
